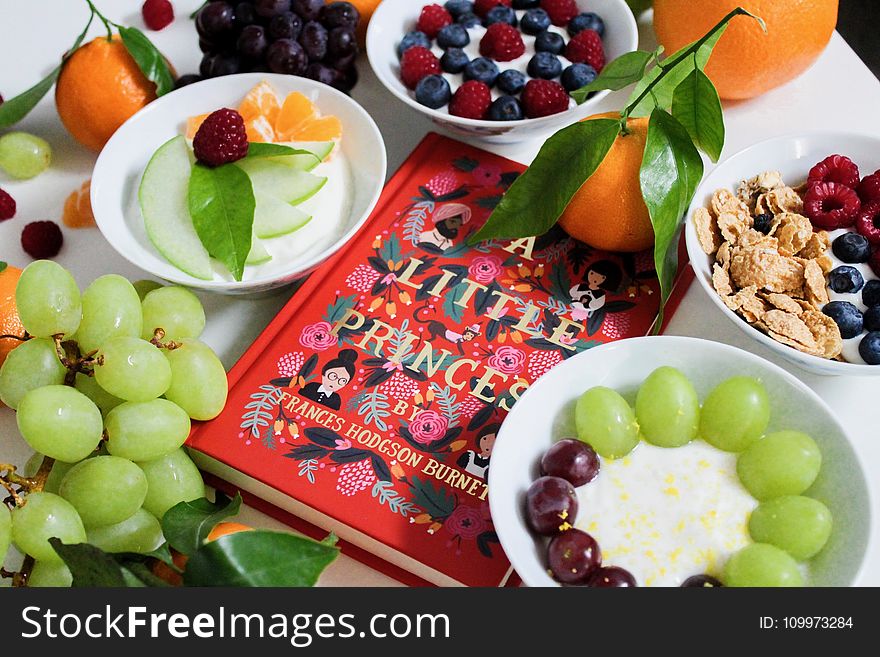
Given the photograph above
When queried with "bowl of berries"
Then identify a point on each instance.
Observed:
(785, 238)
(498, 70)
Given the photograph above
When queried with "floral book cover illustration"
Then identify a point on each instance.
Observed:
(376, 394)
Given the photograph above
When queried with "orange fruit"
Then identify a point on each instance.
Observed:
(165, 572)
(78, 208)
(608, 211)
(225, 528)
(747, 62)
(98, 89)
(10, 322)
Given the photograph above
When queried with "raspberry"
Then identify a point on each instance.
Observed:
(222, 138)
(433, 19)
(868, 222)
(7, 206)
(482, 7)
(471, 100)
(41, 239)
(586, 48)
(836, 169)
(831, 205)
(157, 14)
(543, 98)
(561, 11)
(869, 188)
(502, 42)
(417, 63)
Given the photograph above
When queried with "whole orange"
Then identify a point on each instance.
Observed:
(165, 572)
(608, 211)
(99, 88)
(10, 322)
(747, 62)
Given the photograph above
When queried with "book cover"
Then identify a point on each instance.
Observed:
(370, 405)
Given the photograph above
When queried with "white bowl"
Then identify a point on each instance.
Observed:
(121, 164)
(545, 414)
(394, 18)
(793, 156)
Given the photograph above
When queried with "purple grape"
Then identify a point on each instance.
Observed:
(285, 26)
(611, 577)
(258, 67)
(572, 460)
(349, 79)
(341, 42)
(244, 15)
(215, 20)
(340, 14)
(701, 582)
(324, 74)
(342, 63)
(551, 504)
(225, 64)
(206, 63)
(573, 556)
(187, 79)
(270, 8)
(314, 39)
(308, 9)
(207, 46)
(287, 56)
(252, 42)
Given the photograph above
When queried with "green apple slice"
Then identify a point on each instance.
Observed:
(258, 255)
(321, 149)
(274, 218)
(162, 197)
(281, 180)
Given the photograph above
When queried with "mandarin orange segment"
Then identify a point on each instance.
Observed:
(193, 124)
(297, 109)
(324, 128)
(260, 101)
(78, 208)
(259, 130)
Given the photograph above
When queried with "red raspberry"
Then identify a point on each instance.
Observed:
(831, 205)
(471, 100)
(482, 7)
(543, 98)
(417, 62)
(7, 206)
(874, 262)
(502, 42)
(42, 239)
(432, 19)
(869, 188)
(561, 11)
(836, 169)
(868, 222)
(157, 14)
(222, 138)
(586, 48)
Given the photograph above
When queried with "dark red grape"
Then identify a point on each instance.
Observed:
(343, 63)
(244, 15)
(205, 65)
(207, 46)
(551, 505)
(225, 64)
(341, 42)
(573, 556)
(308, 9)
(252, 42)
(285, 26)
(350, 78)
(611, 577)
(215, 20)
(701, 582)
(270, 8)
(340, 14)
(573, 460)
(258, 67)
(287, 56)
(187, 79)
(325, 74)
(314, 40)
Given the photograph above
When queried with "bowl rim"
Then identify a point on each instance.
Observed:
(736, 354)
(247, 81)
(695, 251)
(374, 58)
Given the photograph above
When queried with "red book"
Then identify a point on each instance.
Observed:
(369, 406)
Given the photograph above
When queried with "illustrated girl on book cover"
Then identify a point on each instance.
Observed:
(476, 462)
(589, 295)
(336, 374)
(448, 220)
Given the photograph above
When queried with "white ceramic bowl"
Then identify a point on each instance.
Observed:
(793, 156)
(394, 18)
(121, 164)
(545, 414)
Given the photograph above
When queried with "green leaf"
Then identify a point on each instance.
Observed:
(259, 558)
(3, 266)
(330, 539)
(138, 573)
(90, 566)
(617, 74)
(539, 196)
(639, 6)
(221, 202)
(671, 170)
(260, 150)
(148, 58)
(187, 525)
(697, 107)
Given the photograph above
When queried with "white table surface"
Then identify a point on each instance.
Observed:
(837, 93)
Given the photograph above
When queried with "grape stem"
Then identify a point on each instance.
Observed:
(70, 357)
(156, 340)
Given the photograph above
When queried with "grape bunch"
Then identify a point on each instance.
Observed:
(297, 37)
(105, 390)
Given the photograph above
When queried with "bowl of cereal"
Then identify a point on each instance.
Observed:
(784, 238)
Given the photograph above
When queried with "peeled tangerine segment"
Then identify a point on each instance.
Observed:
(162, 196)
(273, 218)
(258, 254)
(296, 110)
(260, 101)
(281, 181)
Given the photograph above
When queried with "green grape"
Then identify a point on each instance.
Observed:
(23, 155)
(175, 310)
(46, 574)
(198, 380)
(606, 422)
(735, 414)
(799, 525)
(133, 369)
(144, 286)
(143, 431)
(60, 422)
(667, 408)
(140, 533)
(5, 531)
(783, 463)
(762, 565)
(48, 300)
(88, 386)
(104, 490)
(31, 365)
(56, 476)
(110, 308)
(44, 516)
(171, 479)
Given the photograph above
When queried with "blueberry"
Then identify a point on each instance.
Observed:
(500, 14)
(505, 108)
(548, 41)
(846, 280)
(525, 4)
(535, 21)
(454, 60)
(469, 19)
(453, 36)
(852, 248)
(459, 7)
(411, 39)
(511, 81)
(545, 65)
(586, 21)
(847, 317)
(763, 223)
(481, 69)
(871, 293)
(872, 319)
(433, 91)
(577, 76)
(869, 348)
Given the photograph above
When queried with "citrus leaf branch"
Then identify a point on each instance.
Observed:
(148, 58)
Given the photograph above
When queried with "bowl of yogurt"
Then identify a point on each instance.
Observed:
(354, 170)
(666, 514)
